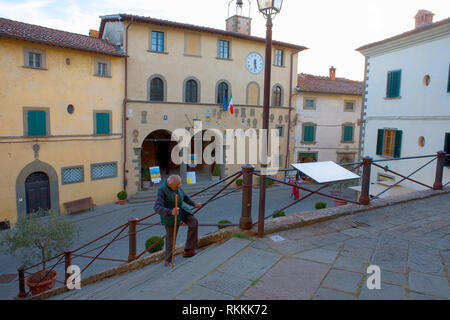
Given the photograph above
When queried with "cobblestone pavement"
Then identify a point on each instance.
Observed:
(409, 242)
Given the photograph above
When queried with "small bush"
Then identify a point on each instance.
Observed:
(122, 195)
(239, 182)
(277, 214)
(320, 205)
(151, 241)
(269, 182)
(216, 171)
(223, 222)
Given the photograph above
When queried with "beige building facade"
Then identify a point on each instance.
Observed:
(178, 75)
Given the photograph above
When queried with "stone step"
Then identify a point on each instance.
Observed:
(157, 282)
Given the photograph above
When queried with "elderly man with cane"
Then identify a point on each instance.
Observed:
(170, 200)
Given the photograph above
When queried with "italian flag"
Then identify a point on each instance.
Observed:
(230, 105)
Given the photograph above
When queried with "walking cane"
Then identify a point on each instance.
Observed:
(175, 229)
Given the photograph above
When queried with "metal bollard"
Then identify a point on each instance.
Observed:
(22, 292)
(68, 263)
(132, 223)
(439, 170)
(245, 223)
(364, 198)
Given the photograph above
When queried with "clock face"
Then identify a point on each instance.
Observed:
(254, 62)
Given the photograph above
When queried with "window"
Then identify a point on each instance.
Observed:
(102, 124)
(309, 131)
(224, 49)
(103, 170)
(191, 91)
(33, 58)
(349, 106)
(447, 149)
(158, 41)
(393, 84)
(280, 130)
(277, 96)
(222, 93)
(307, 157)
(156, 89)
(347, 133)
(309, 103)
(389, 142)
(72, 174)
(102, 68)
(36, 123)
(279, 57)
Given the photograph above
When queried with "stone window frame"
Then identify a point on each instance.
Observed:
(345, 105)
(309, 124)
(105, 163)
(259, 92)
(347, 124)
(281, 95)
(97, 61)
(95, 122)
(217, 90)
(25, 120)
(198, 89)
(199, 55)
(309, 108)
(229, 49)
(72, 167)
(43, 62)
(149, 81)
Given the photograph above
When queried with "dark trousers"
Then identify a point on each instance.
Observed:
(192, 235)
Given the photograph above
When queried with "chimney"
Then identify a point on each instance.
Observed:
(238, 22)
(333, 73)
(423, 18)
(93, 33)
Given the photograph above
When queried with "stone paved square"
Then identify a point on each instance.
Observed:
(329, 294)
(351, 264)
(318, 255)
(343, 280)
(387, 292)
(429, 285)
(225, 283)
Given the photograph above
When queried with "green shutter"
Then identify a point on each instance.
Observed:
(393, 84)
(36, 123)
(389, 84)
(380, 138)
(102, 120)
(308, 135)
(398, 143)
(348, 133)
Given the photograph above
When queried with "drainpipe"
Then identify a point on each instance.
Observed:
(290, 110)
(362, 125)
(125, 180)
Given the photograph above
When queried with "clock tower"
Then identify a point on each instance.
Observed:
(238, 22)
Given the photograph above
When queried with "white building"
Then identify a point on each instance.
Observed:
(407, 101)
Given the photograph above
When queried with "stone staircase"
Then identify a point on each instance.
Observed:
(151, 194)
(156, 282)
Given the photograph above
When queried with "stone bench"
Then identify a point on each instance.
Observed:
(79, 205)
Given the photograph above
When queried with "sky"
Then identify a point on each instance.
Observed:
(331, 29)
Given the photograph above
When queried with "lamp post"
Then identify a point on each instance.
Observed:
(269, 8)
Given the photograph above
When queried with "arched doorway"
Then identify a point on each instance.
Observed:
(156, 152)
(37, 192)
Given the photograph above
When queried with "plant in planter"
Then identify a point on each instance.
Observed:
(146, 178)
(320, 205)
(337, 191)
(223, 222)
(278, 213)
(37, 237)
(239, 182)
(216, 172)
(122, 196)
(151, 241)
(269, 182)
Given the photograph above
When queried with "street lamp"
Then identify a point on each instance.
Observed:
(269, 8)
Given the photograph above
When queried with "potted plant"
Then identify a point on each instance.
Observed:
(151, 241)
(146, 178)
(337, 191)
(239, 183)
(122, 196)
(320, 205)
(216, 173)
(36, 238)
(278, 213)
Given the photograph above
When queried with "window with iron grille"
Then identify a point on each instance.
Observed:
(103, 170)
(158, 41)
(224, 49)
(72, 174)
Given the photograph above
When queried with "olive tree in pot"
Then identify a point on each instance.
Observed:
(36, 238)
(122, 196)
(216, 173)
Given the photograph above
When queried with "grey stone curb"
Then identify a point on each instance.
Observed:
(271, 226)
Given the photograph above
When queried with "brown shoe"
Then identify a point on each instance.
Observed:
(189, 253)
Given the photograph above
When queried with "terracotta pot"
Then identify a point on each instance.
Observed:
(39, 287)
(122, 201)
(338, 202)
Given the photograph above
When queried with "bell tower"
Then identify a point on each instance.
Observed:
(238, 22)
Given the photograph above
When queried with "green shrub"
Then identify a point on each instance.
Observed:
(277, 214)
(151, 241)
(320, 205)
(239, 182)
(223, 222)
(146, 174)
(216, 171)
(122, 195)
(269, 182)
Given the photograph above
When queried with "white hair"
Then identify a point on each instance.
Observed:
(174, 177)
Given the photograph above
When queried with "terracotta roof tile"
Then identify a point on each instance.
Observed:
(318, 84)
(28, 32)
